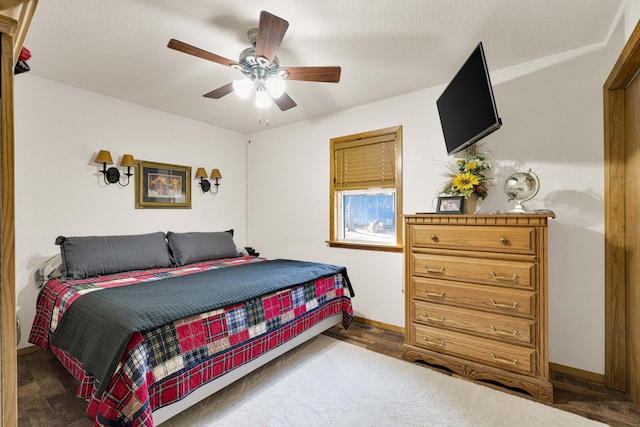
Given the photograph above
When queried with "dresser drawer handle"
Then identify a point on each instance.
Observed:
(425, 316)
(434, 238)
(497, 359)
(505, 333)
(510, 279)
(432, 342)
(513, 306)
(504, 241)
(433, 294)
(433, 270)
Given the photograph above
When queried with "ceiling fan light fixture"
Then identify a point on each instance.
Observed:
(260, 66)
(275, 87)
(243, 87)
(248, 57)
(263, 100)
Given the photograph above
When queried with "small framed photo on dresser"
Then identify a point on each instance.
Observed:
(450, 204)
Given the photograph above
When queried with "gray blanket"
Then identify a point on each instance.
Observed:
(96, 328)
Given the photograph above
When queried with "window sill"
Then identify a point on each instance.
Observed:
(364, 246)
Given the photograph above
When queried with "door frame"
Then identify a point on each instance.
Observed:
(622, 73)
(8, 363)
(15, 18)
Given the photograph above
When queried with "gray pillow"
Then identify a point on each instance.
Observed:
(90, 256)
(50, 269)
(188, 248)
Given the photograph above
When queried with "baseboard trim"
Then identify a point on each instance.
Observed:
(587, 375)
(554, 367)
(378, 324)
(27, 350)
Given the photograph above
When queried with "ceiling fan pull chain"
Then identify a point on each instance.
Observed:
(266, 113)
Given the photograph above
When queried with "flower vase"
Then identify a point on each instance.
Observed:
(470, 203)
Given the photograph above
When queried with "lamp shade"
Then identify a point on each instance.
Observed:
(275, 87)
(243, 87)
(263, 100)
(127, 161)
(104, 156)
(201, 173)
(215, 174)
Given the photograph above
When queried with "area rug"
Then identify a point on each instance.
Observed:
(327, 382)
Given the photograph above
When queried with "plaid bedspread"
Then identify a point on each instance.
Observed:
(163, 365)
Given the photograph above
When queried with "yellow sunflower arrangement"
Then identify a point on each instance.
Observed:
(469, 176)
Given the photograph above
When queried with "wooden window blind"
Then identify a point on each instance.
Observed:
(369, 164)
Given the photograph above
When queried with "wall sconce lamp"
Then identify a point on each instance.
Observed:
(204, 182)
(112, 175)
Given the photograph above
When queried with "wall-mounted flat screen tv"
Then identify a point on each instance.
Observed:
(467, 106)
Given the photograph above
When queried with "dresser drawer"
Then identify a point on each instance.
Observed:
(519, 274)
(515, 330)
(489, 298)
(477, 238)
(498, 354)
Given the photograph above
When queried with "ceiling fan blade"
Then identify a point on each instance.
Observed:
(284, 102)
(314, 74)
(200, 53)
(220, 92)
(271, 30)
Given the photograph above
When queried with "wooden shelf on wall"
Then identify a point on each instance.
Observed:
(21, 11)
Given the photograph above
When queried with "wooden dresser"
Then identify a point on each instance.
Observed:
(476, 297)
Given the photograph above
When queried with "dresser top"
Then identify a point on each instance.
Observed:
(539, 219)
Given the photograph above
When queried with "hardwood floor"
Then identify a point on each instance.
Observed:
(46, 391)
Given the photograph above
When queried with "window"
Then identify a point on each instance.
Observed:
(366, 190)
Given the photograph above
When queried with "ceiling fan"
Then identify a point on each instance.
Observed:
(261, 67)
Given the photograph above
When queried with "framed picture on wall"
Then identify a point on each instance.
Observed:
(161, 185)
(450, 204)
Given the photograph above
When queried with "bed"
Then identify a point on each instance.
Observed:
(151, 324)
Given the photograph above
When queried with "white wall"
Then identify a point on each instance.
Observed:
(631, 15)
(59, 191)
(552, 114)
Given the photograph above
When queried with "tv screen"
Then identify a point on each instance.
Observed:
(467, 107)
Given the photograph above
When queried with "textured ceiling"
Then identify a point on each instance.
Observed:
(385, 48)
